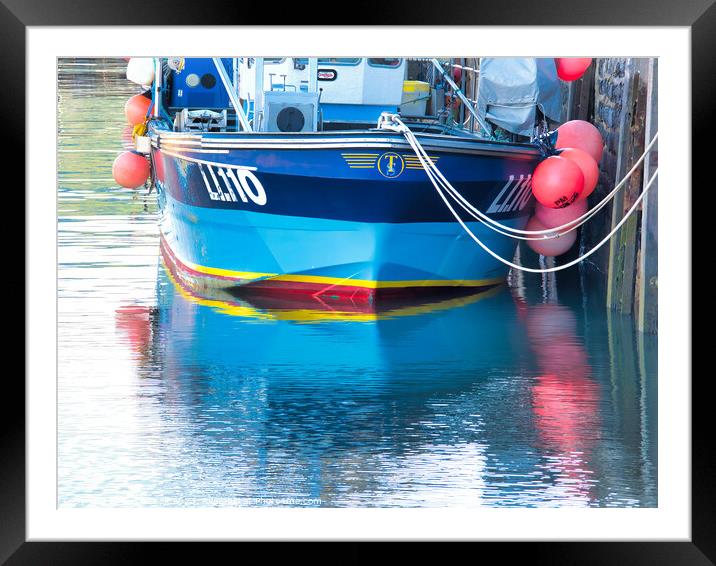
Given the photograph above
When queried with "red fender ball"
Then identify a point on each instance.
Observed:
(130, 169)
(136, 109)
(555, 217)
(582, 135)
(589, 168)
(571, 68)
(553, 246)
(557, 182)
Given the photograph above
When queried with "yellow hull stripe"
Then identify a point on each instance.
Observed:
(246, 275)
(364, 283)
(319, 315)
(369, 284)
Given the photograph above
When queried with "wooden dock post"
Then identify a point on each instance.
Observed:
(620, 98)
(624, 246)
(648, 275)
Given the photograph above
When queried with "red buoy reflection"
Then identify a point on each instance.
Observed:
(565, 398)
(135, 322)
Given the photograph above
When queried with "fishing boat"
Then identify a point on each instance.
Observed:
(276, 176)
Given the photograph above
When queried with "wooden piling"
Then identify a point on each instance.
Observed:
(622, 103)
(624, 246)
(648, 275)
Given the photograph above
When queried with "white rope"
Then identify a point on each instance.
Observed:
(436, 183)
(559, 267)
(508, 230)
(503, 229)
(414, 144)
(550, 232)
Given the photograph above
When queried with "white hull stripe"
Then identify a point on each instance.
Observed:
(199, 142)
(224, 148)
(204, 162)
(167, 148)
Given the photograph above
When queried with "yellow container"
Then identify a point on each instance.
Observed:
(415, 98)
(416, 87)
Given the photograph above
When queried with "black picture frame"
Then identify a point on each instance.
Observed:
(699, 15)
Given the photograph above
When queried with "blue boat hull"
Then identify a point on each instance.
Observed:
(344, 221)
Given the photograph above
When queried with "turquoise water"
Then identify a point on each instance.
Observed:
(526, 395)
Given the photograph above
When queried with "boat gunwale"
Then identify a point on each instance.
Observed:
(335, 140)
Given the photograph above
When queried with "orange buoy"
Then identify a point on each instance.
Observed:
(589, 168)
(550, 247)
(136, 109)
(130, 169)
(553, 217)
(571, 68)
(582, 135)
(557, 182)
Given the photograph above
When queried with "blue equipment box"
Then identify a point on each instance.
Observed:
(198, 85)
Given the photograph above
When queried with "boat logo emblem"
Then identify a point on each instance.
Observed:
(391, 165)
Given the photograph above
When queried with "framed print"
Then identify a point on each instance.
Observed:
(395, 280)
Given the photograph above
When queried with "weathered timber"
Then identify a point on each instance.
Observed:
(648, 275)
(619, 96)
(624, 246)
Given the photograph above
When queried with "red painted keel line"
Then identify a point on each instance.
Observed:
(314, 293)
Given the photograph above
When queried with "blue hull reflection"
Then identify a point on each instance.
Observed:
(473, 400)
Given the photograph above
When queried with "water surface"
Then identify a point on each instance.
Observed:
(518, 396)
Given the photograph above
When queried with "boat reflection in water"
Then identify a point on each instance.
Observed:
(469, 400)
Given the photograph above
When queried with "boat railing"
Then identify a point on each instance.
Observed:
(157, 98)
(248, 116)
(467, 104)
(233, 96)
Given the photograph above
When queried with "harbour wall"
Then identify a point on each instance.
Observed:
(620, 97)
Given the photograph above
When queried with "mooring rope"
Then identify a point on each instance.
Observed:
(559, 267)
(538, 234)
(394, 123)
(398, 126)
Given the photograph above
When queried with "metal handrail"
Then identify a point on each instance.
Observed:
(461, 96)
(158, 75)
(232, 94)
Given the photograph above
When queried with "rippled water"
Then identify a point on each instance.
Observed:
(505, 398)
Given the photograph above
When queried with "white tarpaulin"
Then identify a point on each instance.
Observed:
(512, 88)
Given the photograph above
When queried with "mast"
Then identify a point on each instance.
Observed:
(259, 94)
(156, 111)
(312, 74)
